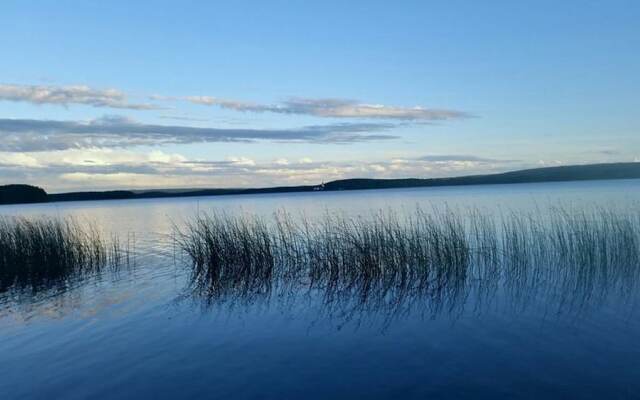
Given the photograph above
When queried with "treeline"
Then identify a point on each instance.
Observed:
(547, 174)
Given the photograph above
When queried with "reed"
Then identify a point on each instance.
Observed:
(40, 253)
(439, 254)
(229, 254)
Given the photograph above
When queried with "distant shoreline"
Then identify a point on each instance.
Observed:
(23, 194)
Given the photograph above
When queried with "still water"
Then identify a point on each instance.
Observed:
(139, 332)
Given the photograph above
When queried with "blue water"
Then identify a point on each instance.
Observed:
(140, 333)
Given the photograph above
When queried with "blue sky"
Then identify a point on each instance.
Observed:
(98, 95)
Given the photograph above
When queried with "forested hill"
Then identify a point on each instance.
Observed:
(547, 174)
(29, 194)
(11, 194)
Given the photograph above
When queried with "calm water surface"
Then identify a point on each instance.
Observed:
(140, 333)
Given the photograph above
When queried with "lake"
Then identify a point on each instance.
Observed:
(142, 331)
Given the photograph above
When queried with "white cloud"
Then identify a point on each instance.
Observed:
(334, 108)
(228, 104)
(318, 107)
(19, 159)
(113, 131)
(377, 168)
(448, 158)
(242, 161)
(66, 95)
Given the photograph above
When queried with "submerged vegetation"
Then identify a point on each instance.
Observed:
(384, 260)
(42, 253)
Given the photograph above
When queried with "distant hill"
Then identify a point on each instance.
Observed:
(30, 194)
(11, 194)
(547, 174)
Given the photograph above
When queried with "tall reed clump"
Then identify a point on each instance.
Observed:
(439, 254)
(229, 254)
(385, 257)
(43, 252)
(585, 252)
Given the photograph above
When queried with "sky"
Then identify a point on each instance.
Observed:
(167, 94)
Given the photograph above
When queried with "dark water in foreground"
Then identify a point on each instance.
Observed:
(141, 332)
